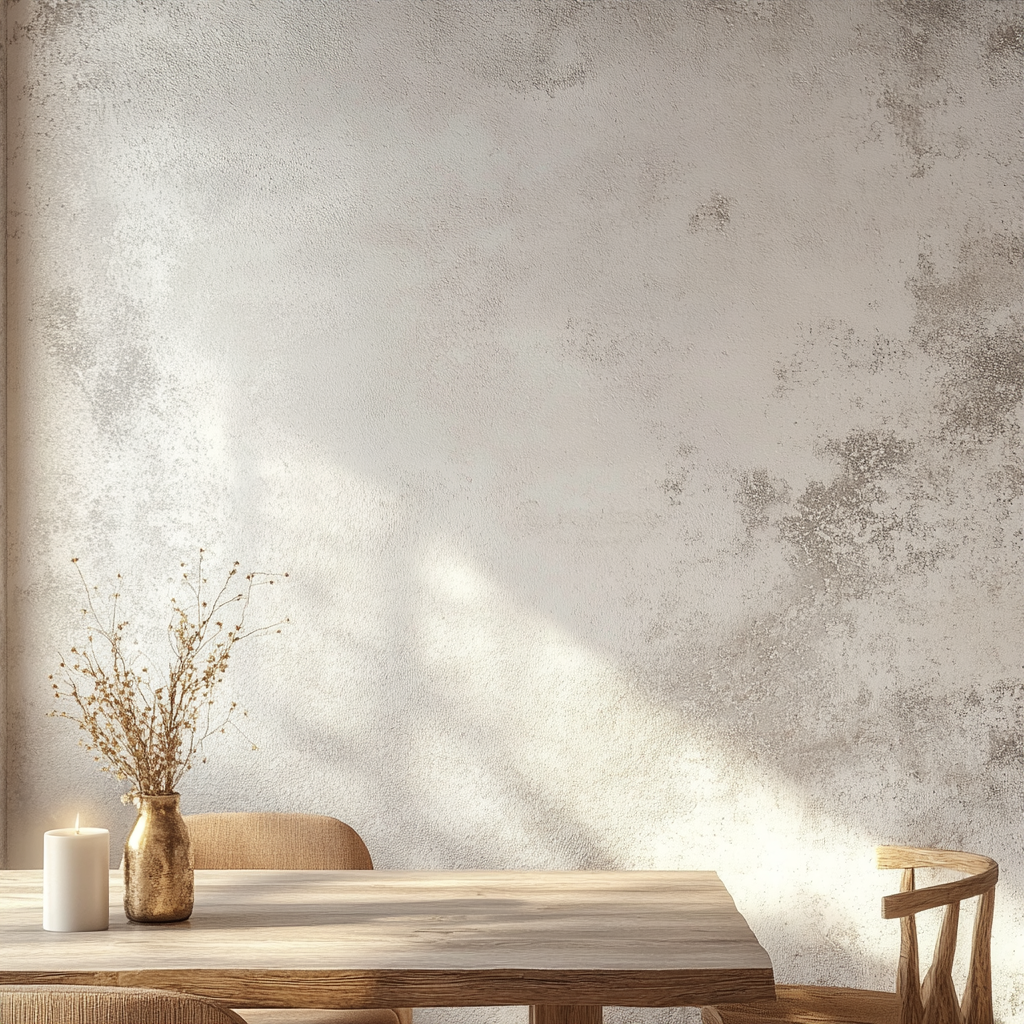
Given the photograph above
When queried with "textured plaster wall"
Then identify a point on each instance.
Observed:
(632, 390)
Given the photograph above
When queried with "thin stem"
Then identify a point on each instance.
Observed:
(146, 734)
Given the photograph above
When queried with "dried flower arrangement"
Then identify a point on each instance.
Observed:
(150, 733)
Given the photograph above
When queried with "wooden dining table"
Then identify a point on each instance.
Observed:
(564, 943)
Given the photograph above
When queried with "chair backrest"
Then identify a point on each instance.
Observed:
(935, 1001)
(89, 1004)
(302, 842)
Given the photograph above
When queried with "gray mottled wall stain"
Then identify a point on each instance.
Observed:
(713, 214)
(632, 390)
(841, 532)
(118, 386)
(963, 321)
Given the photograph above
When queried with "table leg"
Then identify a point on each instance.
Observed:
(565, 1014)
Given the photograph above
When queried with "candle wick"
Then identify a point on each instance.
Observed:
(77, 829)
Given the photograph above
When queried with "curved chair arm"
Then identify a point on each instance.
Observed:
(984, 873)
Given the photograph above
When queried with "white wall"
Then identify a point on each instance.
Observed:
(631, 389)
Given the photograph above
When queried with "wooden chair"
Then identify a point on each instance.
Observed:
(934, 1002)
(89, 1004)
(299, 842)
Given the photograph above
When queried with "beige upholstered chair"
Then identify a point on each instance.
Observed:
(261, 841)
(299, 842)
(88, 1004)
(934, 1002)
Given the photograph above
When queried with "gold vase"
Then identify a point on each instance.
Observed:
(158, 877)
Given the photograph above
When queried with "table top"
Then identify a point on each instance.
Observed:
(411, 938)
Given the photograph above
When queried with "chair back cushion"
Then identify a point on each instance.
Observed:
(89, 1004)
(275, 841)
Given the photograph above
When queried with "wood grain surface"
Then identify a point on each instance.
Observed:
(467, 938)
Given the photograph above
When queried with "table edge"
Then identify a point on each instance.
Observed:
(412, 987)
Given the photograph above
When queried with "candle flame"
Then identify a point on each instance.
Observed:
(77, 816)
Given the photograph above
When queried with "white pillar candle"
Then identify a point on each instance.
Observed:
(76, 880)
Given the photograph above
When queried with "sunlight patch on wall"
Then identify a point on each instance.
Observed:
(521, 702)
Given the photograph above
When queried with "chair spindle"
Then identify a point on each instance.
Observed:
(908, 973)
(941, 1005)
(977, 1002)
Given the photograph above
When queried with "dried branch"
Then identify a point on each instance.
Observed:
(151, 735)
